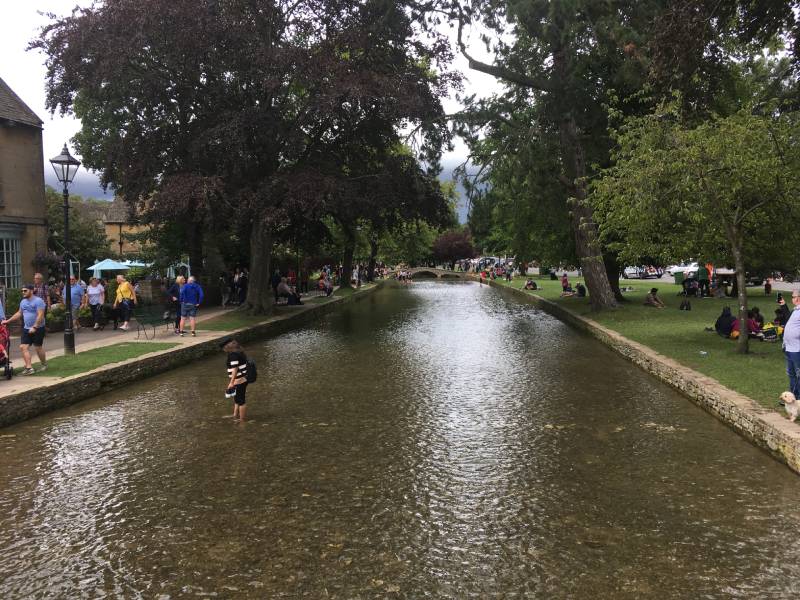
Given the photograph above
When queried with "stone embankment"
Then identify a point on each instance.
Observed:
(53, 394)
(766, 428)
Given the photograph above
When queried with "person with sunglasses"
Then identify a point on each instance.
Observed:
(31, 310)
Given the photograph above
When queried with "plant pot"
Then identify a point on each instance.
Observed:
(55, 326)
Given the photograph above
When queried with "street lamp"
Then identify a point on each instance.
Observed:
(66, 166)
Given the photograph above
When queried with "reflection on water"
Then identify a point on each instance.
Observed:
(432, 441)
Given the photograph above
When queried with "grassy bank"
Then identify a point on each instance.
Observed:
(64, 366)
(681, 335)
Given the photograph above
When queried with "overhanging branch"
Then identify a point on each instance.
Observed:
(498, 71)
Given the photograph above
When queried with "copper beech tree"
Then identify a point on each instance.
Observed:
(205, 112)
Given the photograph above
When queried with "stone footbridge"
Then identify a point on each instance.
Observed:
(433, 272)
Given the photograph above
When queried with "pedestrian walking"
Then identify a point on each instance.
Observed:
(95, 297)
(191, 297)
(791, 345)
(236, 388)
(125, 301)
(31, 311)
(174, 299)
(41, 289)
(76, 292)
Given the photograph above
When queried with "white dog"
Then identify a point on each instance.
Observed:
(792, 405)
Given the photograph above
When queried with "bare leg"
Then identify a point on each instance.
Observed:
(40, 354)
(192, 323)
(182, 321)
(26, 356)
(242, 411)
(235, 410)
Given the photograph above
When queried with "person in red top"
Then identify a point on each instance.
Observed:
(564, 282)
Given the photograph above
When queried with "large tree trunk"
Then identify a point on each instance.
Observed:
(260, 299)
(611, 263)
(584, 228)
(743, 343)
(347, 260)
(196, 232)
(373, 254)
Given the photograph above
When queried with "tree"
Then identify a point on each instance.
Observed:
(723, 190)
(87, 238)
(567, 58)
(453, 245)
(204, 112)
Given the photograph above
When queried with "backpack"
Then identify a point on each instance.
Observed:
(252, 372)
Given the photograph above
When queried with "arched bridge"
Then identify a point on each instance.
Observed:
(433, 272)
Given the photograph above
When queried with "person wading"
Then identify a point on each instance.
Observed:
(237, 377)
(31, 310)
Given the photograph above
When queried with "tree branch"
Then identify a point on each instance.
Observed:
(498, 71)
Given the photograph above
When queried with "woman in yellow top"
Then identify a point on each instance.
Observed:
(125, 300)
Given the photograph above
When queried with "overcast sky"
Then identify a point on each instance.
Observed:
(24, 71)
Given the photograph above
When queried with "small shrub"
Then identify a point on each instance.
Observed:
(13, 298)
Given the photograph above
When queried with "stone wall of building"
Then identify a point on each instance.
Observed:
(22, 202)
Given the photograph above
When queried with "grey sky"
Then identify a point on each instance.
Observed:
(24, 71)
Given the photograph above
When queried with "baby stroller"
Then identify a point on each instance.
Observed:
(5, 356)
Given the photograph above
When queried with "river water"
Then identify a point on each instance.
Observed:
(431, 441)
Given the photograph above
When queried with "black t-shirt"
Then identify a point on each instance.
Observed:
(237, 360)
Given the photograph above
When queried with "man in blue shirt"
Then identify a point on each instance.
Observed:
(31, 310)
(76, 295)
(791, 345)
(191, 297)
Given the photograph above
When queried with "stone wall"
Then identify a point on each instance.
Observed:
(766, 428)
(25, 405)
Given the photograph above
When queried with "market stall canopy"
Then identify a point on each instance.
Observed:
(108, 265)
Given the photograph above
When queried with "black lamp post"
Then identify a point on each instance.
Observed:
(66, 166)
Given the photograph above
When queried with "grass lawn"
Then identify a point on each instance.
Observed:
(64, 366)
(680, 335)
(232, 320)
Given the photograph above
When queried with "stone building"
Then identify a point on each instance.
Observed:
(23, 222)
(119, 226)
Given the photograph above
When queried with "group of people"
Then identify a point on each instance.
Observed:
(233, 286)
(37, 299)
(184, 297)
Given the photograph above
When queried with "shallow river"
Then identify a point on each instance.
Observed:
(434, 441)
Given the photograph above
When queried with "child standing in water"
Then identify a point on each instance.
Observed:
(237, 377)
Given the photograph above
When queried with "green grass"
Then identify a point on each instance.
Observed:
(681, 335)
(64, 366)
(232, 320)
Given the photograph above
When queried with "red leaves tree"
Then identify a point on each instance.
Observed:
(453, 245)
(205, 112)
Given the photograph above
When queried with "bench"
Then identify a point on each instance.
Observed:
(150, 317)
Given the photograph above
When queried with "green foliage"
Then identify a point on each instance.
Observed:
(13, 298)
(87, 238)
(726, 190)
(411, 243)
(55, 316)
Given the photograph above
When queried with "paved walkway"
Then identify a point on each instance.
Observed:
(88, 339)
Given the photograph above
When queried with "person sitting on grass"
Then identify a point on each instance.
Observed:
(530, 284)
(758, 317)
(580, 290)
(652, 299)
(568, 292)
(753, 328)
(725, 322)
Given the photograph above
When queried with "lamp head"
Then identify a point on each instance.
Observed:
(65, 165)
